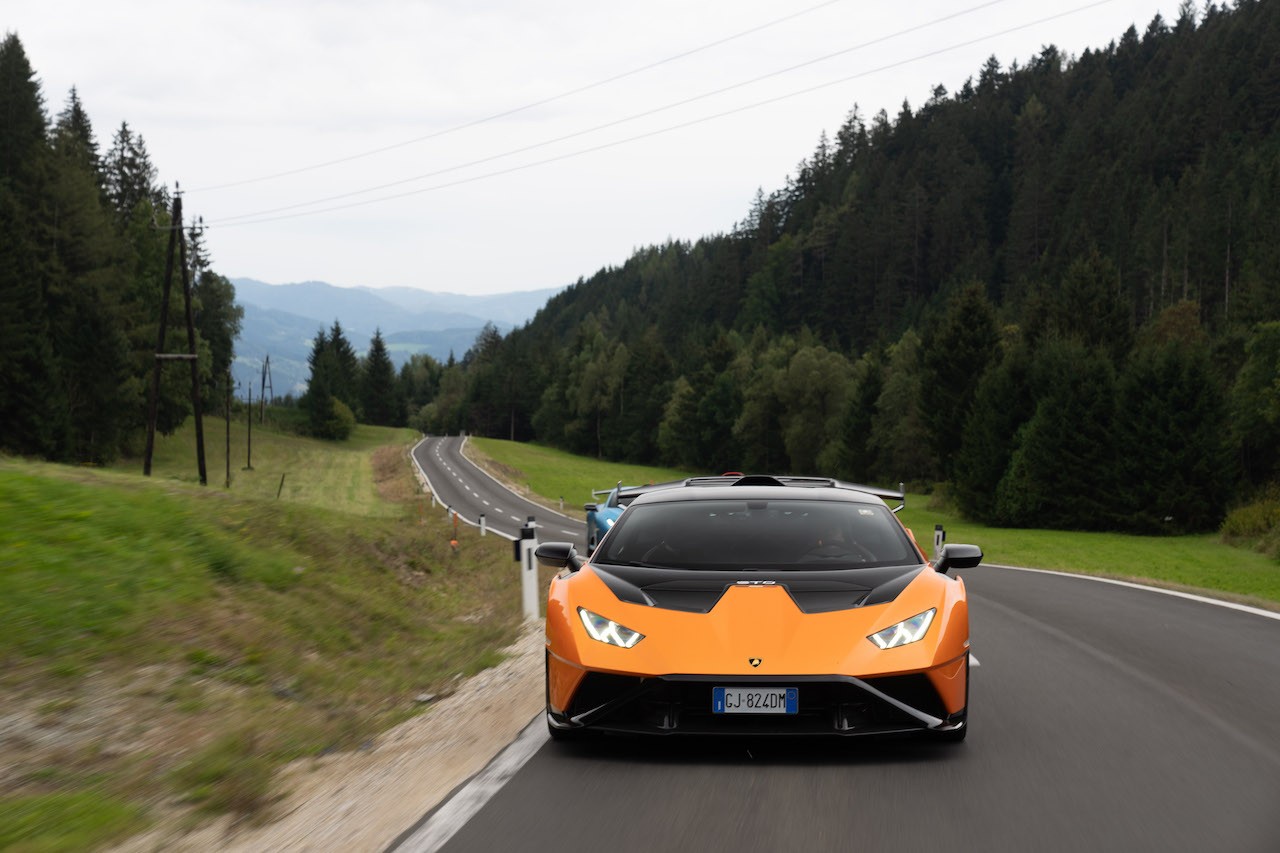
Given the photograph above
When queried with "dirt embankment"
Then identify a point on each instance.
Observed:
(363, 800)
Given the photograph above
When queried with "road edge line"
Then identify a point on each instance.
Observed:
(440, 824)
(1190, 596)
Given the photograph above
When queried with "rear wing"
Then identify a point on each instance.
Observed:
(628, 494)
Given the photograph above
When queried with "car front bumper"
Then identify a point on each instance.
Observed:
(827, 705)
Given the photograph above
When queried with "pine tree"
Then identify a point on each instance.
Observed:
(379, 392)
(327, 415)
(130, 175)
(955, 352)
(88, 337)
(218, 321)
(345, 383)
(1176, 464)
(1063, 473)
(73, 137)
(900, 433)
(1002, 403)
(1255, 407)
(856, 461)
(678, 431)
(22, 132)
(29, 409)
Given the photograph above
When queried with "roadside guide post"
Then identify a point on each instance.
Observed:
(939, 539)
(525, 546)
(482, 524)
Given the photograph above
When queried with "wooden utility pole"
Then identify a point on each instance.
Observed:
(175, 236)
(266, 388)
(228, 484)
(248, 419)
(154, 399)
(191, 345)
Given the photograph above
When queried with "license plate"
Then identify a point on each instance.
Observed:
(755, 700)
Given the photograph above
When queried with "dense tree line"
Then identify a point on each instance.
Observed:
(82, 251)
(1056, 289)
(345, 387)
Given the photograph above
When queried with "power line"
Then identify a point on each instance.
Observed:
(507, 113)
(645, 114)
(661, 131)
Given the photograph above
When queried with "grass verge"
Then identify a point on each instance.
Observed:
(308, 471)
(166, 642)
(1201, 563)
(551, 475)
(66, 822)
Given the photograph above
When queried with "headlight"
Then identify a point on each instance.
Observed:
(608, 631)
(906, 631)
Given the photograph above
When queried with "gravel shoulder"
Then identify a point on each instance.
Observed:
(364, 800)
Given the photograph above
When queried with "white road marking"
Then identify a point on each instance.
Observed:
(440, 826)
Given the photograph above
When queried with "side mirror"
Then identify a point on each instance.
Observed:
(557, 555)
(957, 557)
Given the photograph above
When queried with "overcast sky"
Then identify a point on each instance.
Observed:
(424, 99)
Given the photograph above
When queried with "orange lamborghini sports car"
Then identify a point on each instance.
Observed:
(757, 605)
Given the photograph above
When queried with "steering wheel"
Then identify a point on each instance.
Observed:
(662, 549)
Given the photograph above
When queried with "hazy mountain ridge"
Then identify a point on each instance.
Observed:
(281, 321)
(394, 309)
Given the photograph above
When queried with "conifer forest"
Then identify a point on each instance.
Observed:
(1053, 292)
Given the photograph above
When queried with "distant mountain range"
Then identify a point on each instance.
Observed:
(281, 321)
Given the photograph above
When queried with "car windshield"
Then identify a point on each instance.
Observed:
(802, 535)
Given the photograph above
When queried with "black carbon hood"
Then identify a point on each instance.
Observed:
(813, 592)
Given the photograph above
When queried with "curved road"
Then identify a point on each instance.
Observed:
(460, 485)
(1104, 718)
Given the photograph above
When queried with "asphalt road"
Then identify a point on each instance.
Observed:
(1103, 718)
(460, 485)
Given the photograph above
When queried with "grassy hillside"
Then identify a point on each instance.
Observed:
(333, 475)
(169, 643)
(553, 474)
(1201, 563)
